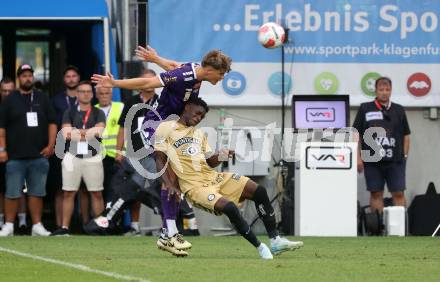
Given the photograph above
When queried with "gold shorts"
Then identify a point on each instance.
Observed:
(227, 185)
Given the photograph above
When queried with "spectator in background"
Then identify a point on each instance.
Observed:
(7, 85)
(394, 144)
(61, 102)
(27, 140)
(81, 126)
(112, 111)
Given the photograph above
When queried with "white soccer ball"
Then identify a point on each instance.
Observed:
(271, 35)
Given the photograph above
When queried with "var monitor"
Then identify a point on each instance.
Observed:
(320, 112)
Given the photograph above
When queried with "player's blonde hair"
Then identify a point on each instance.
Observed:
(217, 60)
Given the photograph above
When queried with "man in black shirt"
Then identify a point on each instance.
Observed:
(27, 140)
(82, 127)
(61, 102)
(384, 132)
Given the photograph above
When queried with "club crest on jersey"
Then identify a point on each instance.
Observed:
(211, 197)
(190, 151)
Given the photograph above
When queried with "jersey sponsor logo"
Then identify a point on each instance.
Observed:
(373, 116)
(187, 73)
(168, 79)
(187, 79)
(211, 197)
(186, 140)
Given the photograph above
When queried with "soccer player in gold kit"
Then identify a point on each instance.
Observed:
(186, 149)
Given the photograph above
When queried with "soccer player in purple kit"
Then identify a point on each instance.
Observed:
(179, 84)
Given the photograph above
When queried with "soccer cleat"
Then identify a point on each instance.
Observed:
(6, 231)
(97, 226)
(180, 243)
(281, 245)
(39, 230)
(264, 251)
(60, 232)
(165, 244)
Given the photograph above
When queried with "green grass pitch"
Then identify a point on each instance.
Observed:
(223, 259)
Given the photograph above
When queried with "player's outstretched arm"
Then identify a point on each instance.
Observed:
(149, 54)
(131, 83)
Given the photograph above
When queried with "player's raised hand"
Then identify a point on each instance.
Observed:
(225, 154)
(103, 80)
(148, 54)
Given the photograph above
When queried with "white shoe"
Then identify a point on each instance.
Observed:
(281, 245)
(7, 231)
(264, 251)
(39, 230)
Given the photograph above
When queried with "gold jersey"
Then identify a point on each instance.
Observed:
(186, 148)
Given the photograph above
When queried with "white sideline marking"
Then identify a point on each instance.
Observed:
(74, 265)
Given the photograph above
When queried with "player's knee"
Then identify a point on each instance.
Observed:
(231, 211)
(260, 194)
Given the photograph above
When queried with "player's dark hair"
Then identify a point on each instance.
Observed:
(71, 68)
(383, 80)
(217, 60)
(6, 79)
(198, 102)
(148, 71)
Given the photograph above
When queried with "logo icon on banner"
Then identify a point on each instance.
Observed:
(328, 157)
(419, 84)
(320, 114)
(326, 83)
(234, 83)
(368, 83)
(274, 83)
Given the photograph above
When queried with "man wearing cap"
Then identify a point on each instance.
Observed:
(27, 140)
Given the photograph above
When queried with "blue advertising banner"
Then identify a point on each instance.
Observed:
(334, 47)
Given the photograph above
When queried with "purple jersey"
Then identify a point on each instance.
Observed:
(178, 86)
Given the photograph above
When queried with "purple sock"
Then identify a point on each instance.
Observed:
(163, 200)
(169, 207)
